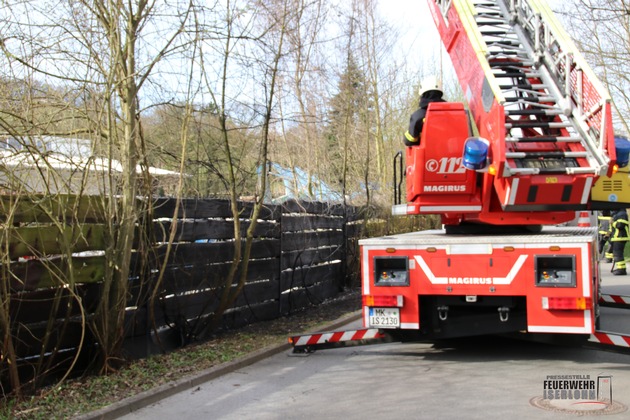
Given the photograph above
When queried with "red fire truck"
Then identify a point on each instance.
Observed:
(504, 171)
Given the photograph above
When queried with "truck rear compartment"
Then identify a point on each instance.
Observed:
(454, 316)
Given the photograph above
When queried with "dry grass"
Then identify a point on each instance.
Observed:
(80, 396)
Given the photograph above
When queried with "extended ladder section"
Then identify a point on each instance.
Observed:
(542, 80)
(532, 96)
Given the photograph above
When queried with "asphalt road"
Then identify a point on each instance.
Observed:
(477, 378)
(472, 379)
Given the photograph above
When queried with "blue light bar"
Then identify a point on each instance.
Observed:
(622, 148)
(475, 153)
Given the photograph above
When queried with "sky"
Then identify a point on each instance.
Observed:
(413, 19)
(411, 16)
(418, 33)
(420, 42)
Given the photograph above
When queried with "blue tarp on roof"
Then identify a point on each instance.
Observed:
(296, 186)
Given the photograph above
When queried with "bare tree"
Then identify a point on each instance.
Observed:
(376, 40)
(251, 47)
(248, 74)
(92, 47)
(305, 50)
(121, 27)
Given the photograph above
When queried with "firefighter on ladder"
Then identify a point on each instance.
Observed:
(618, 240)
(430, 91)
(604, 229)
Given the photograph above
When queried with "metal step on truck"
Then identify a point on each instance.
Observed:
(506, 172)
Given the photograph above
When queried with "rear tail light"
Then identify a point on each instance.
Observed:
(383, 301)
(566, 303)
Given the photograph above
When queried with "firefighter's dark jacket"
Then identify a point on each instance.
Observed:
(620, 231)
(412, 136)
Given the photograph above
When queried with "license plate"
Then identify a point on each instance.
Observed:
(385, 317)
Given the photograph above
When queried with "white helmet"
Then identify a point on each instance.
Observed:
(430, 83)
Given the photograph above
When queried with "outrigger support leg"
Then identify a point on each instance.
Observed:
(611, 341)
(305, 344)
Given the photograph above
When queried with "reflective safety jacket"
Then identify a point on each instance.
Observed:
(620, 226)
(604, 224)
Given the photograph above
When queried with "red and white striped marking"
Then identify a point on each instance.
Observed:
(615, 299)
(610, 339)
(336, 337)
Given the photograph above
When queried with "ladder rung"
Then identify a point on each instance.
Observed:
(494, 33)
(523, 86)
(536, 171)
(549, 155)
(504, 43)
(496, 64)
(491, 54)
(516, 74)
(544, 139)
(536, 124)
(490, 22)
(549, 112)
(519, 65)
(530, 99)
(493, 19)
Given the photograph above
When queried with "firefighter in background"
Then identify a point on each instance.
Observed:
(430, 91)
(603, 229)
(618, 240)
